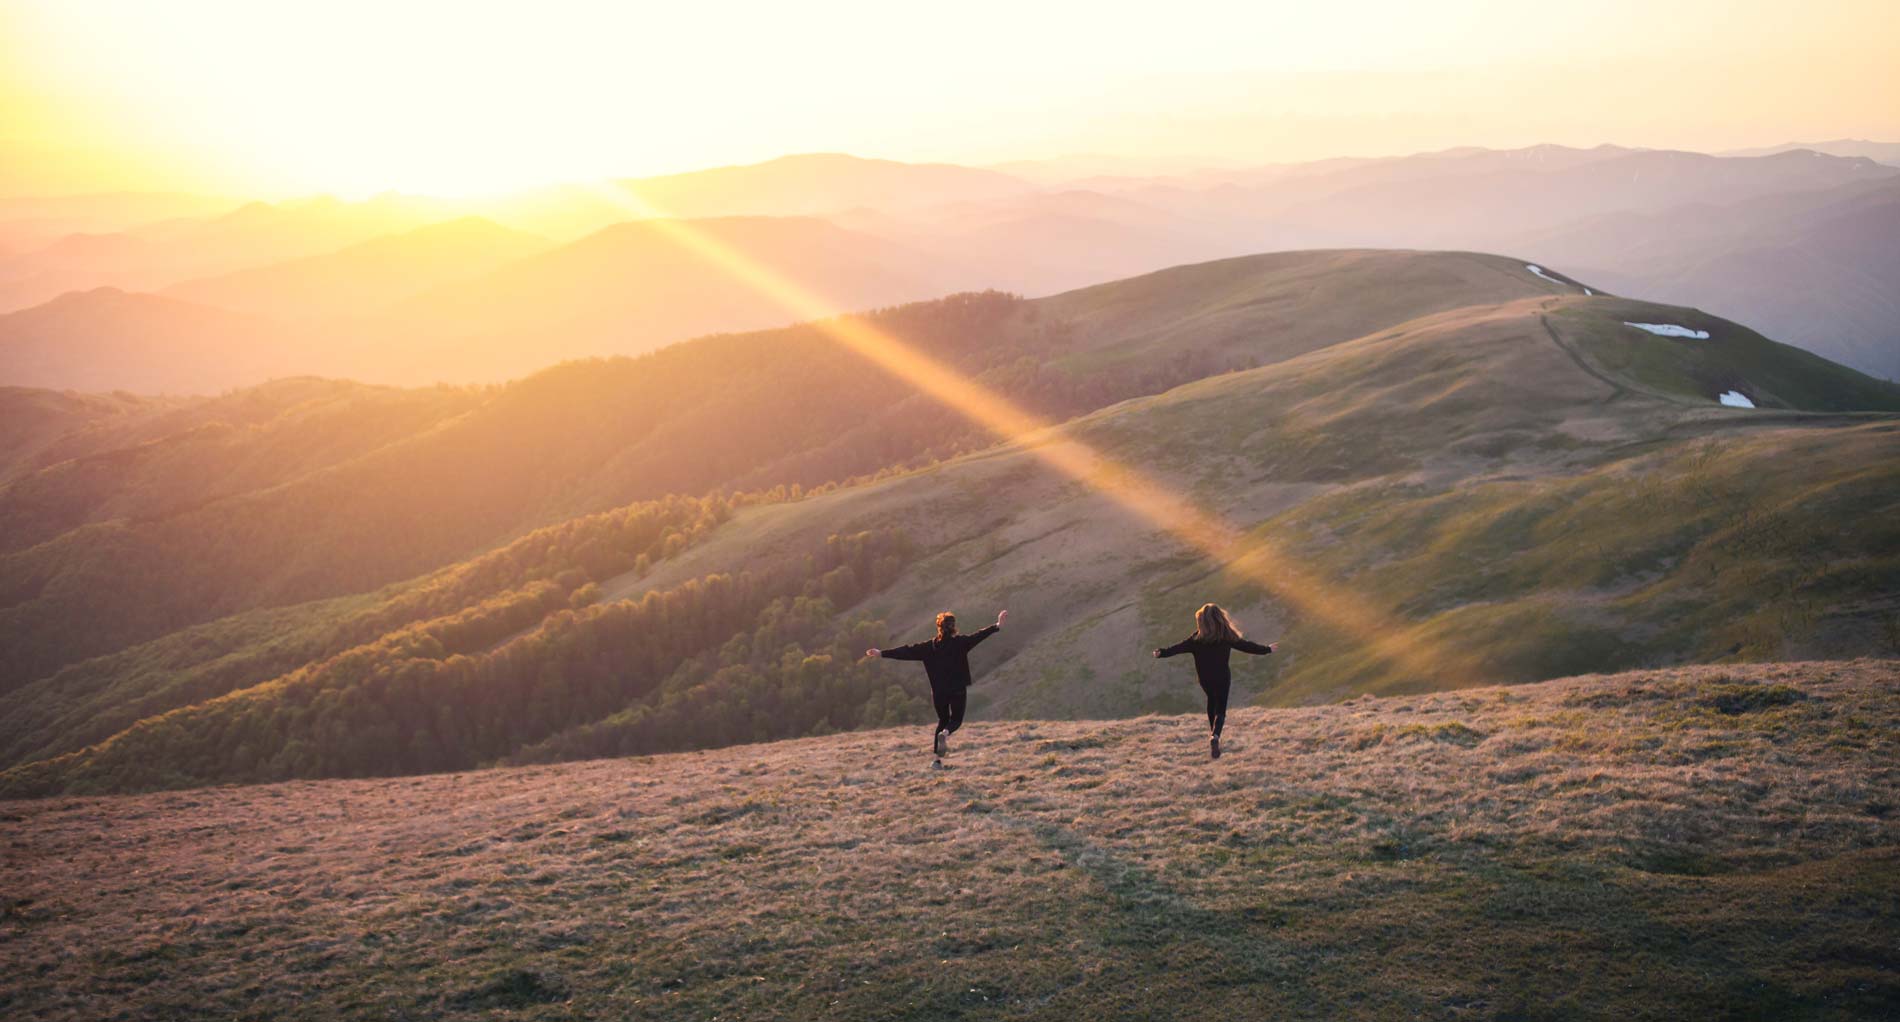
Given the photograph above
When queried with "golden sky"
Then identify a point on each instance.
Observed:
(278, 97)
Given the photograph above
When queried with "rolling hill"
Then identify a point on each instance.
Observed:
(464, 301)
(633, 287)
(358, 281)
(805, 184)
(1702, 842)
(1489, 459)
(152, 255)
(107, 339)
(1820, 269)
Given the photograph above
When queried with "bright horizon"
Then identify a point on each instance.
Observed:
(353, 99)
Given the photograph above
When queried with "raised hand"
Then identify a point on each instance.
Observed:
(1000, 615)
(1273, 647)
(872, 652)
(1156, 654)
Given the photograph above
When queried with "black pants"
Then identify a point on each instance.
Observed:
(1216, 703)
(950, 707)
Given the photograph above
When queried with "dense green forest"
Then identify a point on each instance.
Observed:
(92, 700)
(471, 687)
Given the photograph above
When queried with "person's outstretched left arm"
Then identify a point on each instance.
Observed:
(1175, 650)
(1250, 646)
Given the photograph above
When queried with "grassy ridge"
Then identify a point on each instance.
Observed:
(1706, 842)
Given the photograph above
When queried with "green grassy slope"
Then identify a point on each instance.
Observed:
(1488, 478)
(1697, 843)
(1463, 473)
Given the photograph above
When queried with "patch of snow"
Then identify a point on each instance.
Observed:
(1736, 399)
(1539, 270)
(1669, 330)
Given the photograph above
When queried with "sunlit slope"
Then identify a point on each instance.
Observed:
(1463, 471)
(725, 412)
(1704, 842)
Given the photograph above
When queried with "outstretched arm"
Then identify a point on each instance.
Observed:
(983, 633)
(1250, 646)
(1174, 650)
(914, 651)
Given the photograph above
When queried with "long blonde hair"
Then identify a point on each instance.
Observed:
(946, 625)
(1211, 622)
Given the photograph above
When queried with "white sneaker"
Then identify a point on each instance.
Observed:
(942, 744)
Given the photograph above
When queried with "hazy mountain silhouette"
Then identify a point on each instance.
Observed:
(1880, 152)
(360, 280)
(108, 339)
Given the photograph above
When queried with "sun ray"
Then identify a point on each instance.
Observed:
(1250, 556)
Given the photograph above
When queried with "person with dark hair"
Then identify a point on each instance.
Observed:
(946, 660)
(1215, 637)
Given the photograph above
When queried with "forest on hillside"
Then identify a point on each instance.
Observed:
(714, 661)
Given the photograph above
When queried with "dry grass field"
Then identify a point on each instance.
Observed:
(1709, 842)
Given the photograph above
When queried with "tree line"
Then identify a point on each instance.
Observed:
(470, 688)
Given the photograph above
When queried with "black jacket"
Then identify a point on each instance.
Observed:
(1210, 656)
(947, 663)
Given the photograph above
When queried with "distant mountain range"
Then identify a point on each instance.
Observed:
(1880, 152)
(403, 290)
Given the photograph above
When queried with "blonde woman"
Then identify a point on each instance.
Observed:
(1215, 637)
(946, 661)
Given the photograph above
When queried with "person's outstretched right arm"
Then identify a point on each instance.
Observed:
(1174, 650)
(914, 651)
(1250, 646)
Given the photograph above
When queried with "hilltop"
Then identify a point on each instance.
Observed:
(1706, 842)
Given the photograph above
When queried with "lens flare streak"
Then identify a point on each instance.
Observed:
(1249, 556)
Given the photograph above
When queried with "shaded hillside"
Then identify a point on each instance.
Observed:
(146, 464)
(1708, 842)
(37, 422)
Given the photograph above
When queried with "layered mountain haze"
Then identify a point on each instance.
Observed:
(463, 301)
(409, 291)
(1482, 457)
(636, 286)
(153, 255)
(107, 339)
(1880, 152)
(359, 281)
